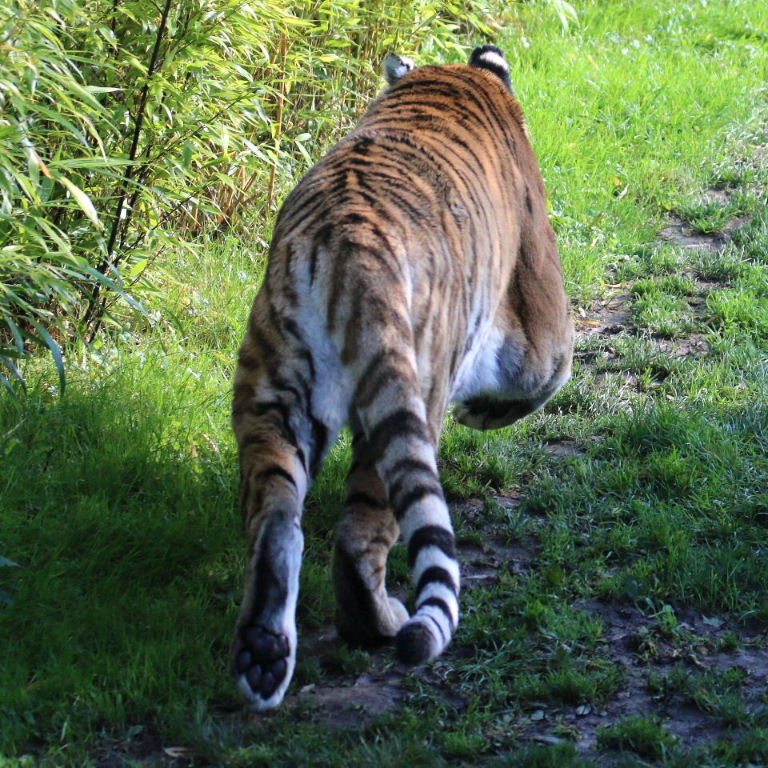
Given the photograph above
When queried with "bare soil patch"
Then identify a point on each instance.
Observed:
(694, 345)
(631, 644)
(140, 746)
(605, 317)
(682, 235)
(351, 705)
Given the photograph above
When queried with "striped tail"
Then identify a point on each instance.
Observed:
(394, 417)
(432, 556)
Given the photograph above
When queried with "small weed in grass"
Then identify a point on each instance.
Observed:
(750, 239)
(729, 642)
(475, 463)
(663, 314)
(309, 670)
(655, 259)
(748, 749)
(539, 756)
(574, 683)
(394, 753)
(706, 218)
(514, 525)
(721, 266)
(716, 693)
(345, 660)
(463, 743)
(711, 216)
(675, 285)
(743, 310)
(643, 735)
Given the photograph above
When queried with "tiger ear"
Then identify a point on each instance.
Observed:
(396, 66)
(492, 58)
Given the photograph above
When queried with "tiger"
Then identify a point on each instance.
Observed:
(412, 268)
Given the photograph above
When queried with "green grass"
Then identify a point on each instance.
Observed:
(117, 501)
(644, 736)
(716, 693)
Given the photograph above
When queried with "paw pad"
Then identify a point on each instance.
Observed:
(262, 659)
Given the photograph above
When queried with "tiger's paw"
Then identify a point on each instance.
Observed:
(263, 665)
(398, 615)
(375, 628)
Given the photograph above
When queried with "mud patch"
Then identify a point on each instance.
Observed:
(695, 345)
(143, 747)
(340, 697)
(563, 448)
(606, 317)
(346, 706)
(598, 326)
(483, 562)
(481, 566)
(679, 233)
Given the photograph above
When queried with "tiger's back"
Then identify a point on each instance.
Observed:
(412, 267)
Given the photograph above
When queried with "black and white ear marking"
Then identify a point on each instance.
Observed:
(492, 58)
(396, 66)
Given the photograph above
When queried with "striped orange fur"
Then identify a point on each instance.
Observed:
(413, 267)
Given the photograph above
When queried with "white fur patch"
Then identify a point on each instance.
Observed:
(396, 67)
(407, 446)
(389, 400)
(428, 616)
(479, 371)
(431, 510)
(430, 556)
(495, 60)
(444, 593)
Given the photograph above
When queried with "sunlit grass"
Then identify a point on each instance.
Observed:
(118, 500)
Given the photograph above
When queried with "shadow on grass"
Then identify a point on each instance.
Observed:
(119, 505)
(123, 521)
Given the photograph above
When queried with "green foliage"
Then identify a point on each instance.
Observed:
(714, 692)
(130, 128)
(112, 113)
(6, 563)
(537, 756)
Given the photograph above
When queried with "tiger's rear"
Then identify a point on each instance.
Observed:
(414, 266)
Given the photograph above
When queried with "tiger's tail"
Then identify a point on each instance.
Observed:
(394, 417)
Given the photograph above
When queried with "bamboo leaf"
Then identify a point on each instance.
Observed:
(16, 333)
(45, 339)
(82, 200)
(15, 371)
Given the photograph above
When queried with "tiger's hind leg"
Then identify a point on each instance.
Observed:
(278, 442)
(527, 356)
(366, 614)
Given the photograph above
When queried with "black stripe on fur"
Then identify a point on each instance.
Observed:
(431, 536)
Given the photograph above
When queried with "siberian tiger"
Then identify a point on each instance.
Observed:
(414, 266)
